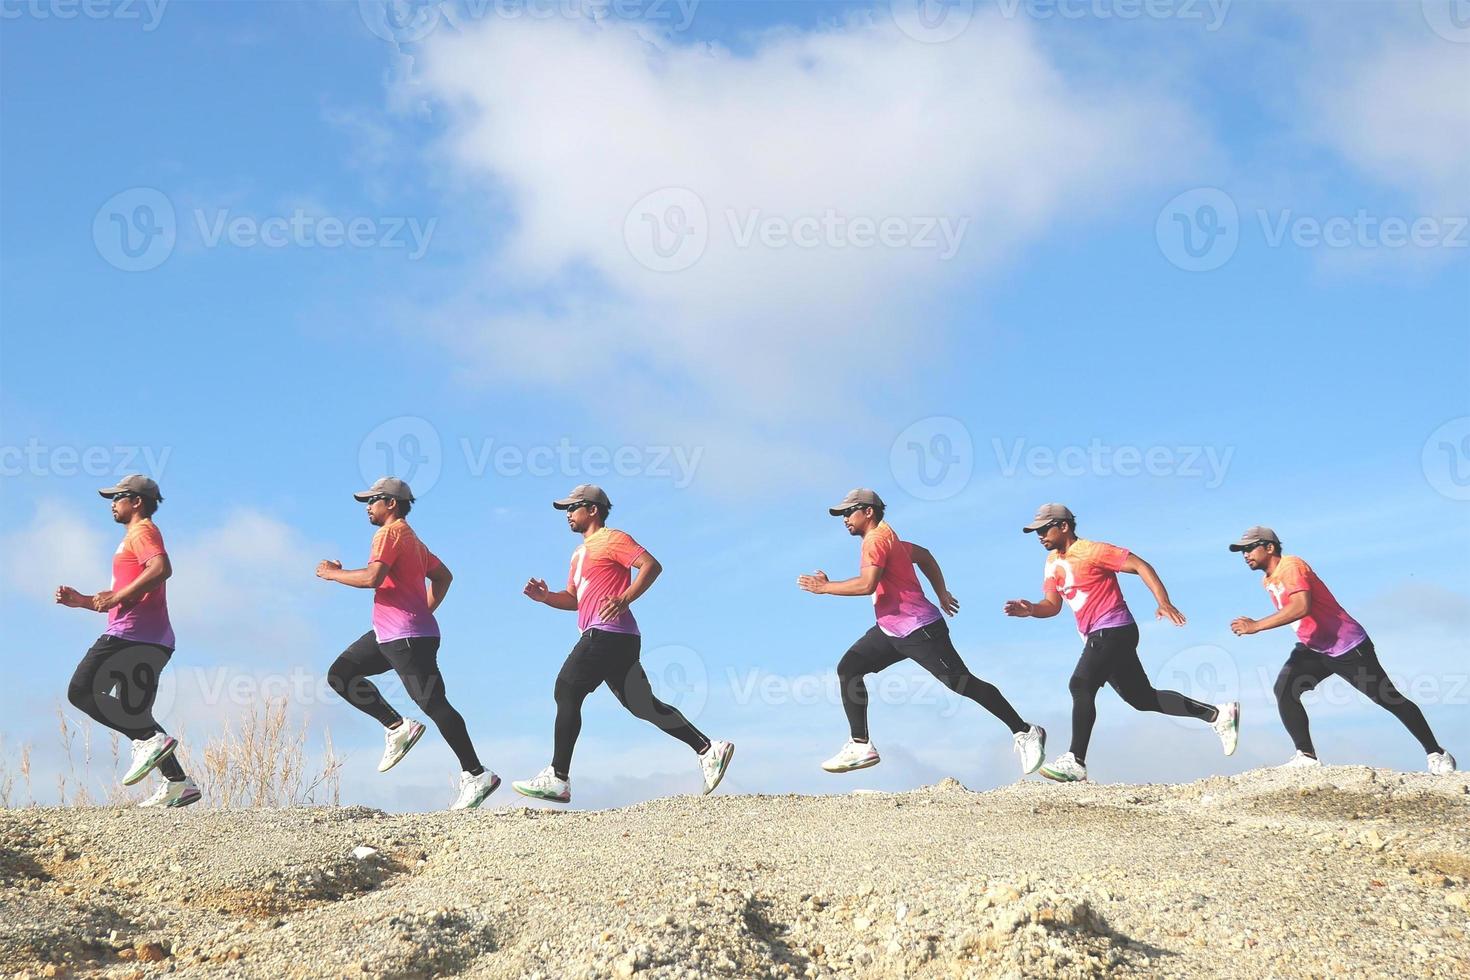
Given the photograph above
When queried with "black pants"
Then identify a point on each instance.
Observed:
(602, 657)
(1110, 656)
(132, 668)
(1306, 668)
(416, 659)
(931, 648)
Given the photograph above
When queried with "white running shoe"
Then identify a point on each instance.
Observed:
(1065, 769)
(1301, 761)
(398, 741)
(1031, 747)
(474, 790)
(1227, 725)
(714, 762)
(172, 794)
(546, 786)
(854, 756)
(148, 753)
(1441, 764)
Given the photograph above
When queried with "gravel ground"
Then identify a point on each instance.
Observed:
(1345, 871)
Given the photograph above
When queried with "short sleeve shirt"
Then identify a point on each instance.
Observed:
(144, 620)
(1087, 578)
(401, 602)
(602, 567)
(1327, 628)
(899, 602)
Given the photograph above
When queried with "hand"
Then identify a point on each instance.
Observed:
(104, 601)
(949, 603)
(1173, 615)
(68, 596)
(612, 608)
(1244, 626)
(1020, 608)
(536, 589)
(326, 567)
(815, 583)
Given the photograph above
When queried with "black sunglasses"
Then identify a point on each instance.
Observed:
(126, 495)
(578, 506)
(1047, 527)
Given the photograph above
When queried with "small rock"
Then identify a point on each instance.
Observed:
(362, 852)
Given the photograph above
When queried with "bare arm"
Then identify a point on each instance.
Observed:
(649, 569)
(537, 590)
(1137, 566)
(866, 583)
(1296, 607)
(359, 578)
(156, 571)
(929, 565)
(1045, 609)
(439, 580)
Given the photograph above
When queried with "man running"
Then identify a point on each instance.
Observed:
(1085, 573)
(404, 638)
(138, 642)
(909, 627)
(1329, 642)
(600, 589)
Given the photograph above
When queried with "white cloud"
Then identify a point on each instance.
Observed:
(1398, 110)
(56, 548)
(569, 125)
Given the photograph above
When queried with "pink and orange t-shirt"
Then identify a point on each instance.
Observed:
(145, 619)
(401, 602)
(602, 568)
(899, 602)
(1087, 577)
(1327, 628)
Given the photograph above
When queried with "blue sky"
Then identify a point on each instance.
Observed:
(1185, 271)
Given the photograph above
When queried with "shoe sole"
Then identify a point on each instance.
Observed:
(1041, 756)
(411, 743)
(724, 767)
(483, 796)
(538, 796)
(863, 765)
(186, 800)
(1235, 732)
(168, 750)
(1057, 777)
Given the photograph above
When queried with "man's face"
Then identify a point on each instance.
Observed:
(580, 515)
(858, 520)
(1052, 535)
(1255, 556)
(124, 506)
(379, 510)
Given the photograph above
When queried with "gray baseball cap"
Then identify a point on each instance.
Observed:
(388, 486)
(585, 493)
(1047, 513)
(861, 497)
(136, 483)
(1254, 536)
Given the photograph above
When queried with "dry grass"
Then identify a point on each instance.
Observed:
(261, 760)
